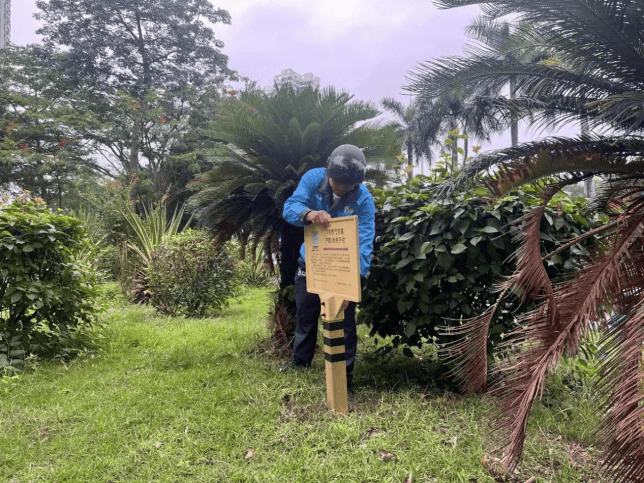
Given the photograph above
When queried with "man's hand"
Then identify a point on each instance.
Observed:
(345, 304)
(321, 218)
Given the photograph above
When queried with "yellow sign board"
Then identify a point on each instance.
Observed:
(333, 258)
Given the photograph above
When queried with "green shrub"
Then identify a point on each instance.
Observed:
(46, 289)
(437, 261)
(109, 201)
(190, 275)
(253, 269)
(107, 262)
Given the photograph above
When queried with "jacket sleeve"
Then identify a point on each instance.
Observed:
(367, 232)
(299, 203)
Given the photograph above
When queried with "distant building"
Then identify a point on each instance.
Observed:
(289, 76)
(5, 23)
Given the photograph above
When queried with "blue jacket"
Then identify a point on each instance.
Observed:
(314, 194)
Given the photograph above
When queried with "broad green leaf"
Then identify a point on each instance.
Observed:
(427, 247)
(404, 263)
(559, 222)
(458, 248)
(410, 285)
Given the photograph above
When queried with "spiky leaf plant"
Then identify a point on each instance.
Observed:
(270, 142)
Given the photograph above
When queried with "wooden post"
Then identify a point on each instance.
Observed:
(333, 272)
(334, 353)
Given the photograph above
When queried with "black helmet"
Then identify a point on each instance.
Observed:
(346, 165)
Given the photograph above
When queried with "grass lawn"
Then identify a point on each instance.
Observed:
(172, 399)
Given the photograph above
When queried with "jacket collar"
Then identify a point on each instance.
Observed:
(325, 187)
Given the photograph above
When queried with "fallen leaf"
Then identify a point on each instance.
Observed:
(386, 455)
(451, 441)
(158, 445)
(186, 430)
(250, 454)
(371, 433)
(409, 479)
(493, 465)
(532, 480)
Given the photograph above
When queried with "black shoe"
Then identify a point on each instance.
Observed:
(293, 363)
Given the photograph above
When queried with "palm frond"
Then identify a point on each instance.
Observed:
(511, 167)
(272, 141)
(460, 76)
(622, 376)
(543, 340)
(489, 31)
(396, 107)
(469, 351)
(585, 26)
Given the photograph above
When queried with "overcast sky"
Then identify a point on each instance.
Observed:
(363, 46)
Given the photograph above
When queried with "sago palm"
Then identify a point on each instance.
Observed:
(597, 71)
(270, 142)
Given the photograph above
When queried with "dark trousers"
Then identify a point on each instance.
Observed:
(306, 330)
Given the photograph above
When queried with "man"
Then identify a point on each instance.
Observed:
(325, 193)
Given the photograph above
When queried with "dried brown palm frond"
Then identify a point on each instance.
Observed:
(621, 381)
(530, 280)
(469, 350)
(543, 340)
(510, 167)
(596, 73)
(614, 279)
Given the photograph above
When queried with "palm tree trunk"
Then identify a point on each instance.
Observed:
(466, 146)
(514, 122)
(410, 163)
(135, 143)
(589, 188)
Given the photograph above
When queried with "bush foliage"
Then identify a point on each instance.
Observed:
(437, 261)
(189, 275)
(46, 289)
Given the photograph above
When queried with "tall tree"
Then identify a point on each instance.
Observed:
(270, 142)
(119, 50)
(495, 34)
(447, 114)
(597, 72)
(413, 130)
(40, 149)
